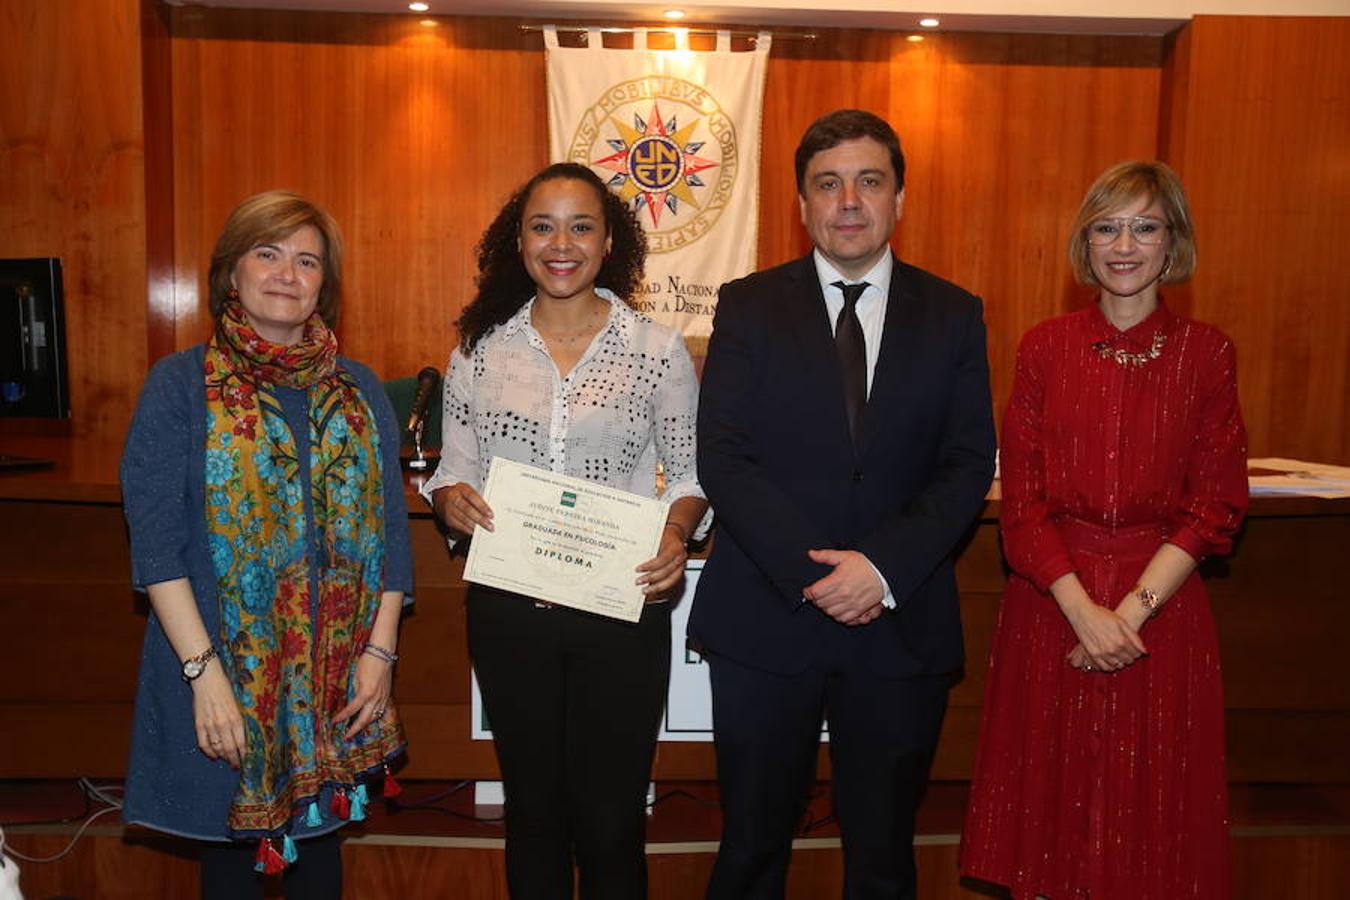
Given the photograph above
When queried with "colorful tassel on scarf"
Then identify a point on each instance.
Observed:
(269, 861)
(341, 805)
(358, 804)
(391, 787)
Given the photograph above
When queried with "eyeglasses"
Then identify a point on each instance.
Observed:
(1105, 232)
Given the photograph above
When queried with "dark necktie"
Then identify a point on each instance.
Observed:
(852, 347)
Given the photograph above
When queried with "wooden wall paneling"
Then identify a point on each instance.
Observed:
(73, 876)
(1284, 685)
(1174, 93)
(432, 647)
(72, 185)
(102, 865)
(1002, 135)
(191, 250)
(81, 642)
(1272, 659)
(157, 126)
(64, 543)
(431, 685)
(375, 871)
(1262, 137)
(439, 743)
(1312, 866)
(418, 135)
(1017, 129)
(68, 676)
(68, 739)
(64, 583)
(1287, 745)
(806, 79)
(412, 136)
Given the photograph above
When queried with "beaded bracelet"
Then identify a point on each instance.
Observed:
(379, 652)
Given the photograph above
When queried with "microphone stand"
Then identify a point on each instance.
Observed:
(419, 461)
(426, 383)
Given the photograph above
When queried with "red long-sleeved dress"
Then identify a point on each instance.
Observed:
(1092, 785)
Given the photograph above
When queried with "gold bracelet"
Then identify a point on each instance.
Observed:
(1149, 598)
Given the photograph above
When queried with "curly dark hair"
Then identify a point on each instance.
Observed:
(503, 284)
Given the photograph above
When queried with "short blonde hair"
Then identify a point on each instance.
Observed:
(1121, 185)
(272, 216)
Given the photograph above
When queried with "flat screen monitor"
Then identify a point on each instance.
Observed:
(33, 379)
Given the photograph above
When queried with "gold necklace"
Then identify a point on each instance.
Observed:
(587, 330)
(1126, 358)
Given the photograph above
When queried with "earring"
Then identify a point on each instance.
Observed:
(1167, 266)
(232, 294)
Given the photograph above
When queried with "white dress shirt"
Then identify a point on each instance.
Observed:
(871, 309)
(871, 305)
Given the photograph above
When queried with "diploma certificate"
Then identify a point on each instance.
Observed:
(565, 540)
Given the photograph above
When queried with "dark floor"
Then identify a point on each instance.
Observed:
(684, 811)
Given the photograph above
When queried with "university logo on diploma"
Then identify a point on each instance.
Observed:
(565, 540)
(675, 134)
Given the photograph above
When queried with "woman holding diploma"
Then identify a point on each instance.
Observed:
(555, 370)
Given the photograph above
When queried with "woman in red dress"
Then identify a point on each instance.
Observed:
(1100, 768)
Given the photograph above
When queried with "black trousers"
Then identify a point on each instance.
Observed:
(227, 870)
(767, 731)
(574, 701)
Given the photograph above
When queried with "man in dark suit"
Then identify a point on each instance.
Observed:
(846, 441)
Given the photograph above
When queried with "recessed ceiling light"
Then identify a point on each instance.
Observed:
(673, 14)
(419, 7)
(914, 38)
(929, 22)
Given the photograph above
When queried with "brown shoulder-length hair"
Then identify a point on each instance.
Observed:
(1123, 184)
(272, 216)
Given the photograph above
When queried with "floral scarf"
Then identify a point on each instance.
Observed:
(292, 656)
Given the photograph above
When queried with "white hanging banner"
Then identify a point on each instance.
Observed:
(675, 133)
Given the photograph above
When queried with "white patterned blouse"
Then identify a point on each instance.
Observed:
(629, 402)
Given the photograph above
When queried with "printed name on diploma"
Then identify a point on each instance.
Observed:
(565, 540)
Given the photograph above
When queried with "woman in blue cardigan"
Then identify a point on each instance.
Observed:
(265, 506)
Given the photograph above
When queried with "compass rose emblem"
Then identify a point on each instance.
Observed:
(665, 147)
(655, 163)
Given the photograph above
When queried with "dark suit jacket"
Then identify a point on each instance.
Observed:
(776, 460)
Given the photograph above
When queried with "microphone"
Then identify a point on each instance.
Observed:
(427, 380)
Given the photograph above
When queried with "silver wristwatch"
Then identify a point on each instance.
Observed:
(194, 666)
